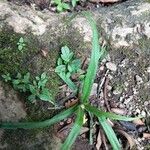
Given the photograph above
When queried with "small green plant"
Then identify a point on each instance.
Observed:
(61, 6)
(67, 66)
(74, 2)
(83, 107)
(36, 88)
(21, 44)
(6, 77)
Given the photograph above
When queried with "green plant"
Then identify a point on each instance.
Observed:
(6, 77)
(83, 107)
(74, 2)
(21, 44)
(61, 6)
(36, 88)
(67, 66)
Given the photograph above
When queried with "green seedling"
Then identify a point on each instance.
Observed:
(6, 77)
(83, 107)
(21, 44)
(36, 88)
(61, 6)
(67, 66)
(74, 2)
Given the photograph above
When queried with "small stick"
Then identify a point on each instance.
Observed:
(102, 83)
(105, 94)
(91, 129)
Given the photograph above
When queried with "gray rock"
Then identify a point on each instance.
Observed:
(111, 66)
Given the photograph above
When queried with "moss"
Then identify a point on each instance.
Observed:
(31, 60)
(28, 139)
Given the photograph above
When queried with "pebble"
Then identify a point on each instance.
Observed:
(143, 113)
(138, 79)
(111, 66)
(146, 103)
(109, 87)
(148, 69)
(138, 111)
(135, 91)
(128, 99)
(94, 89)
(101, 68)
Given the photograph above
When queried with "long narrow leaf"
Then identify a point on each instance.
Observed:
(74, 131)
(93, 65)
(110, 133)
(113, 116)
(68, 81)
(32, 125)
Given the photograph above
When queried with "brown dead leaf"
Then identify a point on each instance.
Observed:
(146, 135)
(99, 140)
(138, 122)
(44, 52)
(128, 137)
(83, 130)
(104, 1)
(118, 111)
(71, 102)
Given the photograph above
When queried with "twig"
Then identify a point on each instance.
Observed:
(91, 129)
(102, 83)
(105, 94)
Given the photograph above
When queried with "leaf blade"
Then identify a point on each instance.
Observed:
(75, 130)
(113, 116)
(93, 65)
(110, 133)
(46, 123)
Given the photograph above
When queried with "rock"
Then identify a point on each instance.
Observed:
(143, 113)
(148, 69)
(111, 66)
(138, 79)
(11, 106)
(138, 111)
(94, 89)
(128, 100)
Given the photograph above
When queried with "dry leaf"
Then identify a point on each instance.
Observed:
(99, 140)
(71, 102)
(44, 52)
(128, 137)
(83, 130)
(118, 111)
(146, 135)
(138, 122)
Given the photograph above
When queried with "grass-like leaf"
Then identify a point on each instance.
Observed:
(68, 81)
(93, 65)
(41, 124)
(74, 131)
(113, 116)
(110, 133)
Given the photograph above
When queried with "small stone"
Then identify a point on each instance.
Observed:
(128, 100)
(135, 91)
(126, 84)
(109, 87)
(138, 79)
(148, 69)
(146, 103)
(110, 77)
(101, 68)
(94, 89)
(111, 66)
(138, 111)
(143, 113)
